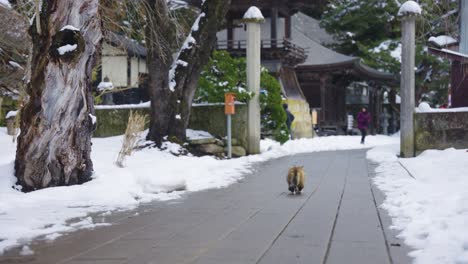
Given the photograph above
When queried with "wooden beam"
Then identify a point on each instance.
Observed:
(323, 98)
(230, 32)
(287, 27)
(274, 26)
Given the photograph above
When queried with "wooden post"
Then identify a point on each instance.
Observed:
(463, 27)
(274, 26)
(230, 33)
(253, 77)
(287, 27)
(408, 16)
(323, 98)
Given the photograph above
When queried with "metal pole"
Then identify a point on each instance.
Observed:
(229, 136)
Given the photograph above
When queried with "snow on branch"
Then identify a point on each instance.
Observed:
(177, 4)
(188, 44)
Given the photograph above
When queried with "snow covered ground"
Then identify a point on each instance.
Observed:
(431, 209)
(150, 174)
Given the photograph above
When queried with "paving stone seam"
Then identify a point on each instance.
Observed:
(100, 245)
(387, 246)
(327, 252)
(222, 237)
(406, 169)
(295, 214)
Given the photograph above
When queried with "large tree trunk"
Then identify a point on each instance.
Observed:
(172, 98)
(160, 34)
(56, 125)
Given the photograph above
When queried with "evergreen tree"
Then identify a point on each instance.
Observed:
(372, 31)
(225, 74)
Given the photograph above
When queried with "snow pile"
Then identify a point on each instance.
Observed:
(124, 106)
(67, 48)
(272, 149)
(16, 65)
(11, 114)
(197, 134)
(150, 174)
(254, 14)
(442, 40)
(93, 118)
(102, 86)
(409, 8)
(431, 209)
(5, 3)
(69, 27)
(426, 108)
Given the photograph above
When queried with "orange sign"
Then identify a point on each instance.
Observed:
(229, 106)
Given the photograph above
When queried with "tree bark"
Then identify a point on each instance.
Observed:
(160, 34)
(172, 94)
(56, 124)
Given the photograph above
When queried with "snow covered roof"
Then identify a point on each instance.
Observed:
(318, 54)
(449, 54)
(131, 46)
(311, 28)
(323, 58)
(409, 8)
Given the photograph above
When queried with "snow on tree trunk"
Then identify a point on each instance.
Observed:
(55, 141)
(174, 112)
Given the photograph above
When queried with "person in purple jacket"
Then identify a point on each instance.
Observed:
(363, 120)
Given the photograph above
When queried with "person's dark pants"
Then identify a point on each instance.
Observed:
(364, 134)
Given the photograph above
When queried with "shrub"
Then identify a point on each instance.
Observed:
(227, 74)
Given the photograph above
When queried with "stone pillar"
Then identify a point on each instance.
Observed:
(253, 78)
(463, 27)
(408, 15)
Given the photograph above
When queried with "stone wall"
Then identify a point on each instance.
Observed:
(113, 122)
(211, 118)
(440, 130)
(7, 105)
(302, 124)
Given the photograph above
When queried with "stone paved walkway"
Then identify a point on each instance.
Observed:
(335, 220)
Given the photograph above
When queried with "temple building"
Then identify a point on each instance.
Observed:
(312, 76)
(279, 54)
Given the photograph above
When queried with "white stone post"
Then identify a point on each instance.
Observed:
(253, 18)
(408, 13)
